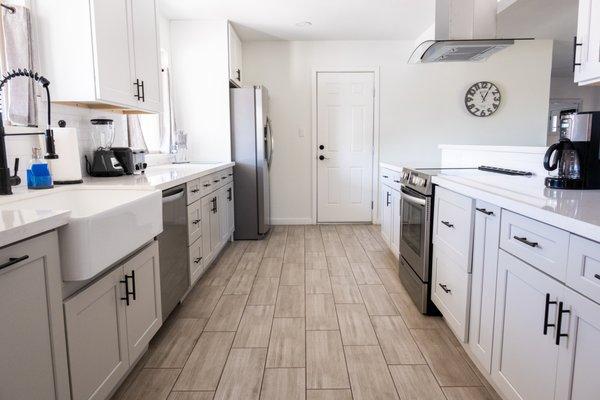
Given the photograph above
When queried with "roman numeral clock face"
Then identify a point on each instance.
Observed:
(483, 99)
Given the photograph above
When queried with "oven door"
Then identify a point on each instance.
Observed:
(415, 231)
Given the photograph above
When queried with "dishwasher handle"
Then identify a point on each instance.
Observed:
(174, 194)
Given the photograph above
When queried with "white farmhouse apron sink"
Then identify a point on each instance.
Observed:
(105, 224)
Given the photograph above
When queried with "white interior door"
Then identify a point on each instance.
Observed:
(344, 146)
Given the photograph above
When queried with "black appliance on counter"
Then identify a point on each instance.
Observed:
(577, 154)
(132, 161)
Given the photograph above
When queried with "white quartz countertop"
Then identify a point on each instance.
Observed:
(162, 177)
(392, 167)
(576, 211)
(19, 224)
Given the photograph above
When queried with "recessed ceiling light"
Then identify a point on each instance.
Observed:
(303, 24)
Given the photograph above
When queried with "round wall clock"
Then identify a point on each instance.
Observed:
(483, 99)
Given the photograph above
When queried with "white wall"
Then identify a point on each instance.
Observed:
(565, 88)
(200, 92)
(421, 106)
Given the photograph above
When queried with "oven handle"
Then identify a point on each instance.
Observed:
(413, 199)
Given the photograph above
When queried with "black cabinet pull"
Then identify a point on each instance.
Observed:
(597, 276)
(13, 261)
(396, 181)
(127, 291)
(206, 185)
(223, 177)
(445, 288)
(137, 85)
(197, 260)
(229, 194)
(229, 174)
(195, 190)
(216, 181)
(387, 200)
(126, 282)
(547, 313)
(214, 201)
(561, 311)
(143, 92)
(525, 241)
(486, 212)
(196, 221)
(239, 74)
(133, 283)
(385, 176)
(448, 224)
(575, 45)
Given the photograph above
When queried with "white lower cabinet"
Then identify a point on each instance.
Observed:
(395, 229)
(390, 203)
(110, 323)
(144, 316)
(579, 352)
(486, 239)
(450, 289)
(525, 355)
(197, 263)
(33, 355)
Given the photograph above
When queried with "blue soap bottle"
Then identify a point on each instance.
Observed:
(38, 173)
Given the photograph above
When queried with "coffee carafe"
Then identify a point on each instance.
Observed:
(564, 157)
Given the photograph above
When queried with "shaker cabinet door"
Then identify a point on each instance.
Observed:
(486, 239)
(144, 315)
(146, 53)
(114, 64)
(97, 337)
(579, 360)
(525, 356)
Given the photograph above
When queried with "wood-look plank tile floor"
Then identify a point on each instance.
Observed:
(312, 312)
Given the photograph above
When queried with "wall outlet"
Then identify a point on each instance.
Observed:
(301, 132)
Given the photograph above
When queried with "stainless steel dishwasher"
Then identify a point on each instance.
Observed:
(172, 247)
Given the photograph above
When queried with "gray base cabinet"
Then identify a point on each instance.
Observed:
(110, 323)
(32, 338)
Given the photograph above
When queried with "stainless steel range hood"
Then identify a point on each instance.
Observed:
(464, 30)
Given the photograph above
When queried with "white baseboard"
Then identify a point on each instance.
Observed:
(291, 221)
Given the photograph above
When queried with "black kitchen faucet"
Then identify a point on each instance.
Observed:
(7, 181)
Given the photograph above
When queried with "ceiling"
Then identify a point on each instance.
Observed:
(331, 19)
(544, 19)
(378, 20)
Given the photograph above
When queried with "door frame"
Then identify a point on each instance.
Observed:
(375, 150)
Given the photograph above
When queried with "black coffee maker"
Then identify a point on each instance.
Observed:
(577, 154)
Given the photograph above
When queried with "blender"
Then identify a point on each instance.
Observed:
(104, 161)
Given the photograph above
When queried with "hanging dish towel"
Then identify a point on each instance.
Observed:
(19, 98)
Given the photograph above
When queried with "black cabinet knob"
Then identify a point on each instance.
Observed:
(321, 147)
(321, 157)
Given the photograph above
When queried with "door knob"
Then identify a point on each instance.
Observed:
(321, 147)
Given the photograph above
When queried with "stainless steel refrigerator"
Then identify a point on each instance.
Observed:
(252, 151)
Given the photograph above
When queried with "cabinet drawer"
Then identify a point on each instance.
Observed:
(194, 220)
(453, 225)
(194, 191)
(450, 291)
(543, 246)
(583, 267)
(206, 185)
(197, 262)
(390, 178)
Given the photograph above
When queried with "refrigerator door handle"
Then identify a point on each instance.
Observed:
(269, 144)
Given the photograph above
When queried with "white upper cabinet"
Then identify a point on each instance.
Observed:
(101, 52)
(587, 44)
(147, 56)
(235, 57)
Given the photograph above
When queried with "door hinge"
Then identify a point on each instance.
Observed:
(372, 205)
(373, 92)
